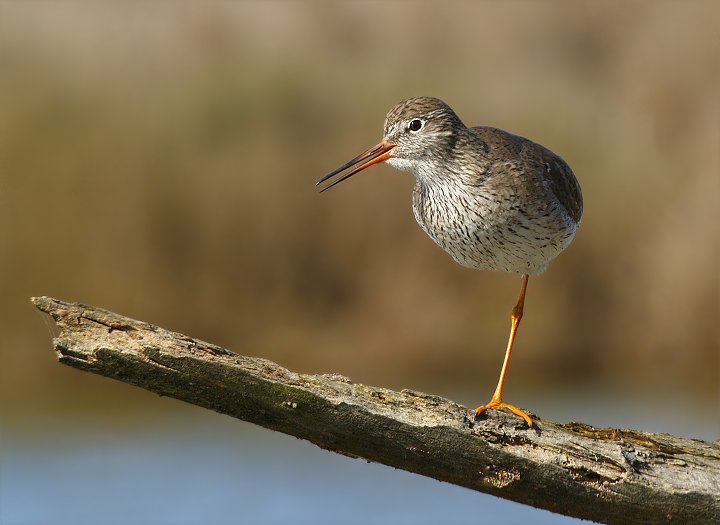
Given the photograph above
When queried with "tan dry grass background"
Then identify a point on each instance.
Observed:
(159, 160)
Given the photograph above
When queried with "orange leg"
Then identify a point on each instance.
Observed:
(496, 401)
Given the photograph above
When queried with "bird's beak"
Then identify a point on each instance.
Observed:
(378, 153)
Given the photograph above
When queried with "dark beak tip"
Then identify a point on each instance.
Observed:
(377, 153)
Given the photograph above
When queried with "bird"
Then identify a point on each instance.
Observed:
(491, 199)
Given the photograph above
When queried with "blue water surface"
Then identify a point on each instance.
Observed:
(195, 467)
(216, 470)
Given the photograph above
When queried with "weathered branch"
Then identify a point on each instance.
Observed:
(606, 475)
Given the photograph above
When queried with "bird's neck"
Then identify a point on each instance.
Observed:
(464, 164)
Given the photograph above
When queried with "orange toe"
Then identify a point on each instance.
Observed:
(493, 405)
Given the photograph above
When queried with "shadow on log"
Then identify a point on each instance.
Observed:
(606, 475)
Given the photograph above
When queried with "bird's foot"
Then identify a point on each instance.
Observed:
(496, 403)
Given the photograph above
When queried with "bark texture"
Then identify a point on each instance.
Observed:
(607, 475)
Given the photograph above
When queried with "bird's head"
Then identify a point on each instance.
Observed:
(418, 132)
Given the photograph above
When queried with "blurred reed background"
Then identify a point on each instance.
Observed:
(159, 160)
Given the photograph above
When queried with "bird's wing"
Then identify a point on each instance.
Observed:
(555, 173)
(562, 182)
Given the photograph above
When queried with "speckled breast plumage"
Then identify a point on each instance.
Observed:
(488, 234)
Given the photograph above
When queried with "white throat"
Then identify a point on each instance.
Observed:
(421, 170)
(404, 164)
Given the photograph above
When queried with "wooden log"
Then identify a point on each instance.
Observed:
(607, 475)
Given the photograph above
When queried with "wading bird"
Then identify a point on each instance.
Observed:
(490, 199)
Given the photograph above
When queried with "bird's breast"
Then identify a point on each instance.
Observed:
(491, 228)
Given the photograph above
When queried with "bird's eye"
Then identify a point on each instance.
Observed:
(415, 125)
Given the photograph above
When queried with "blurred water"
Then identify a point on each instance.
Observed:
(215, 470)
(207, 468)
